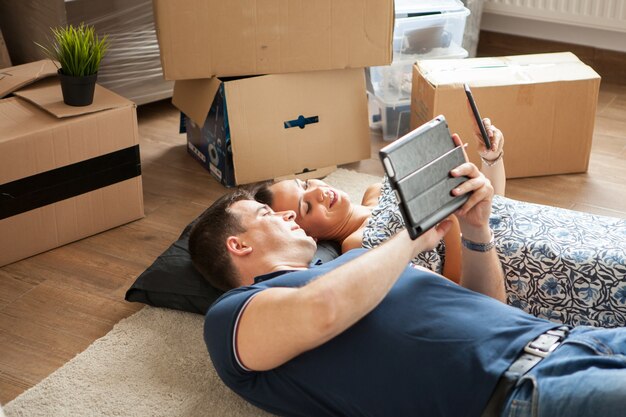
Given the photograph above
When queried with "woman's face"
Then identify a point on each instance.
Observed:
(320, 209)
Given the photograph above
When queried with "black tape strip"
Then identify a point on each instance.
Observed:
(58, 184)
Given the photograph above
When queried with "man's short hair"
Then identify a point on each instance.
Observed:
(207, 241)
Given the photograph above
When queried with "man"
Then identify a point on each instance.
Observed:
(367, 335)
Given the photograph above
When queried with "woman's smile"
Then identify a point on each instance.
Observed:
(333, 197)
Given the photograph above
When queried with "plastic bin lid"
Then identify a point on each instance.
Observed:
(404, 8)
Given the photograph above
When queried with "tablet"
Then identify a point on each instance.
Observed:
(418, 166)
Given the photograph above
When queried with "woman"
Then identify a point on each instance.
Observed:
(326, 213)
(559, 264)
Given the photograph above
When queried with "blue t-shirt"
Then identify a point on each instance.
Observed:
(430, 348)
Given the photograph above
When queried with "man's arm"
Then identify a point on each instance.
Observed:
(281, 323)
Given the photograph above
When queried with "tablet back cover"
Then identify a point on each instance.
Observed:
(418, 166)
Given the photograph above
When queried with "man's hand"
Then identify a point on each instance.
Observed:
(431, 238)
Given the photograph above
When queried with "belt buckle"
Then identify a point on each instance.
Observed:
(545, 343)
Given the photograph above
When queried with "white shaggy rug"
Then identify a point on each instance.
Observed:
(154, 363)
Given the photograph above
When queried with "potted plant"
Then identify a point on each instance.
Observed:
(79, 51)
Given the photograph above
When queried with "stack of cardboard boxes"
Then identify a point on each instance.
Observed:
(269, 89)
(66, 172)
(273, 89)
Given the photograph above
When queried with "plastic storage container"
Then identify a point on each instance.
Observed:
(393, 82)
(430, 29)
(393, 117)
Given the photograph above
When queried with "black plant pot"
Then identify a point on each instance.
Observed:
(77, 91)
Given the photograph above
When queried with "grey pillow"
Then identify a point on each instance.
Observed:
(173, 282)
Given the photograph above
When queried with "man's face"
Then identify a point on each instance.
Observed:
(273, 232)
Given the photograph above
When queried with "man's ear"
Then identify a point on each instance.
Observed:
(237, 247)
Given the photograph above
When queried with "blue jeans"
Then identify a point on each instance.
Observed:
(585, 376)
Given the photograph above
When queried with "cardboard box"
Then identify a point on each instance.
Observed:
(67, 172)
(544, 104)
(206, 38)
(264, 127)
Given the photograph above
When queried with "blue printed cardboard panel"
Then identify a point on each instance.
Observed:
(210, 144)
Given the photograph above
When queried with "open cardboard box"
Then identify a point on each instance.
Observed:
(266, 127)
(67, 172)
(207, 38)
(545, 104)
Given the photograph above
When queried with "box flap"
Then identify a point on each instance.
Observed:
(194, 97)
(19, 118)
(14, 78)
(521, 69)
(47, 95)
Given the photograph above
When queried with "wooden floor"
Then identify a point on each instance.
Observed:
(54, 305)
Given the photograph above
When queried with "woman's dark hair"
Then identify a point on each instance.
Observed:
(262, 193)
(207, 240)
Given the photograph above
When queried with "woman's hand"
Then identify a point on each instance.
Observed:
(495, 137)
(476, 210)
(492, 163)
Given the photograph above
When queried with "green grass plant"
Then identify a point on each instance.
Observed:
(79, 49)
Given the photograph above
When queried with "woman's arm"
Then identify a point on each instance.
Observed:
(452, 241)
(355, 240)
(481, 270)
(492, 159)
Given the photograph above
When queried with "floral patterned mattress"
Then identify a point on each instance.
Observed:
(558, 264)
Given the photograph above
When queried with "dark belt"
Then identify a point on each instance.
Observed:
(533, 353)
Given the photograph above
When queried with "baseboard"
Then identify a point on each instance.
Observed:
(611, 65)
(602, 38)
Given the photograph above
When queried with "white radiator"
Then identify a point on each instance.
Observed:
(596, 23)
(597, 14)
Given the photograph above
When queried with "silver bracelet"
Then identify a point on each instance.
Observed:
(479, 247)
(492, 162)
